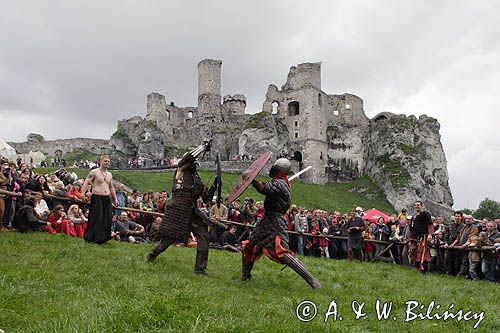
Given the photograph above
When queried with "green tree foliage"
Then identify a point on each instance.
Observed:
(488, 208)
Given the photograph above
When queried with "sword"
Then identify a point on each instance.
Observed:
(299, 173)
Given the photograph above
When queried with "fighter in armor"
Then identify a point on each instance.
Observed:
(183, 216)
(271, 236)
(421, 230)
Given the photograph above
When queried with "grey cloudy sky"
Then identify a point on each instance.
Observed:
(73, 68)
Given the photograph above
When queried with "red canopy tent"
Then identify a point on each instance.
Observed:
(373, 215)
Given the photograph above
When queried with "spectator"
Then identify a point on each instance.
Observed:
(381, 233)
(61, 192)
(129, 231)
(60, 222)
(488, 265)
(75, 191)
(28, 220)
(78, 220)
(248, 212)
(468, 231)
(453, 257)
(368, 247)
(323, 244)
(355, 242)
(474, 257)
(41, 207)
(300, 226)
(228, 240)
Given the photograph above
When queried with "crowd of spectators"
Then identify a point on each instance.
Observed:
(54, 203)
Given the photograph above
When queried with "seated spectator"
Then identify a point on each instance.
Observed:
(61, 192)
(155, 227)
(60, 222)
(38, 184)
(28, 220)
(129, 231)
(79, 221)
(228, 239)
(75, 191)
(41, 207)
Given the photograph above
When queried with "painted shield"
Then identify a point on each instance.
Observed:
(248, 176)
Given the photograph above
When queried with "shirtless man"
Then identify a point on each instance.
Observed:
(100, 212)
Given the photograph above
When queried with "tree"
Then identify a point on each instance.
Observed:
(468, 211)
(488, 208)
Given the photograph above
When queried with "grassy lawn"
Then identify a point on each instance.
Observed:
(361, 192)
(53, 283)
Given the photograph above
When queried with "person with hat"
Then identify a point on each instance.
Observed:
(270, 236)
(6, 181)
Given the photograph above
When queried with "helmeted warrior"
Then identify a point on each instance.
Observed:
(421, 230)
(183, 216)
(271, 236)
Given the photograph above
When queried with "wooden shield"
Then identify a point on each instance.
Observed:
(248, 176)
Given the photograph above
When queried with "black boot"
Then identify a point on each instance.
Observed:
(300, 269)
(246, 269)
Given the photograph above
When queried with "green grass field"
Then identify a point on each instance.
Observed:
(54, 283)
(361, 192)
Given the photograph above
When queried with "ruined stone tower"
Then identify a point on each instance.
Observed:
(299, 104)
(209, 92)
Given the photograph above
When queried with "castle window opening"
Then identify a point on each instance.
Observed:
(319, 99)
(348, 106)
(296, 123)
(172, 103)
(296, 135)
(293, 108)
(336, 113)
(275, 107)
(321, 156)
(188, 122)
(168, 115)
(190, 114)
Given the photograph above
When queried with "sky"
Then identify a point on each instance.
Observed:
(74, 68)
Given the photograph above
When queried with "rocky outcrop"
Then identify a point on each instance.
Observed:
(137, 138)
(406, 158)
(263, 132)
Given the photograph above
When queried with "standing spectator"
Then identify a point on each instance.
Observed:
(453, 257)
(467, 231)
(474, 257)
(323, 244)
(300, 226)
(488, 265)
(355, 242)
(381, 233)
(219, 214)
(5, 184)
(395, 237)
(248, 211)
(368, 247)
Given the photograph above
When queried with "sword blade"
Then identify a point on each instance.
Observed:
(299, 173)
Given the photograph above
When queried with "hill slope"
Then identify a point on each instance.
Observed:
(53, 283)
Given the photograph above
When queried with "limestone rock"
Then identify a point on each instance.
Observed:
(406, 158)
(263, 132)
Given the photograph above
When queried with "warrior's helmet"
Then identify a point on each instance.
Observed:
(281, 165)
